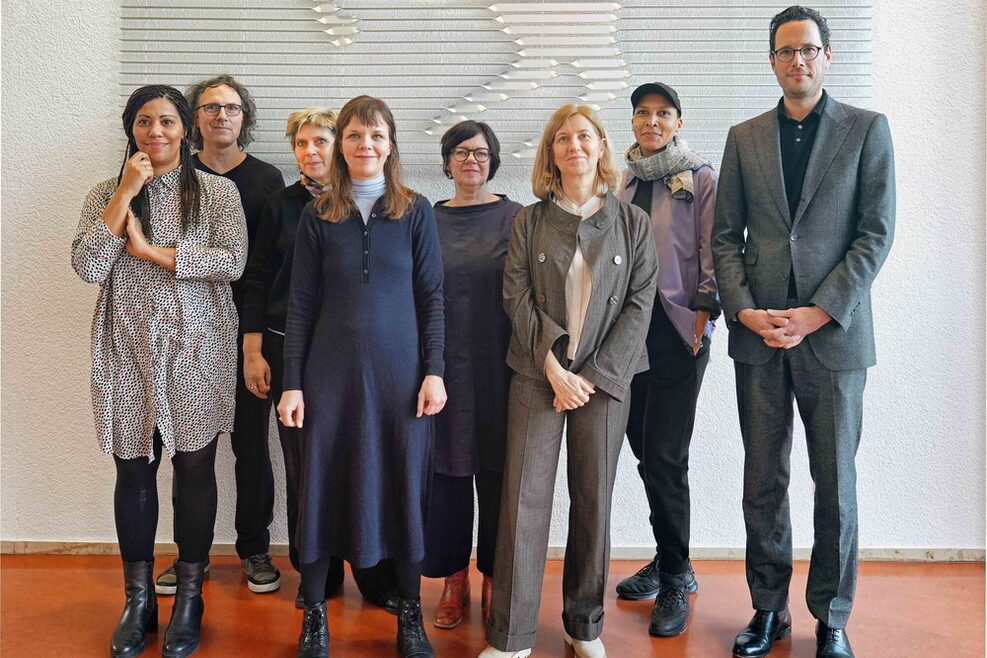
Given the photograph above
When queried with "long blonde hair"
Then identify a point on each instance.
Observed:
(546, 179)
(336, 203)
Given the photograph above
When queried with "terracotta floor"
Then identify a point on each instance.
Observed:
(67, 606)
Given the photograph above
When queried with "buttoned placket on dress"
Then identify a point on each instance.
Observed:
(162, 339)
(366, 228)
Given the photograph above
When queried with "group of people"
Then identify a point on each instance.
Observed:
(415, 352)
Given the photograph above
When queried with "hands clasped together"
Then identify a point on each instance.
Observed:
(784, 329)
(571, 389)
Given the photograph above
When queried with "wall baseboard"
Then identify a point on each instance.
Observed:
(554, 552)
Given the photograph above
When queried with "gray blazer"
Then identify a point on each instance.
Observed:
(620, 252)
(837, 242)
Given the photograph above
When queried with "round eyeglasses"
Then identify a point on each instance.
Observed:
(786, 55)
(480, 155)
(212, 109)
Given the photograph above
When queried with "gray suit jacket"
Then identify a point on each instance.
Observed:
(837, 242)
(620, 251)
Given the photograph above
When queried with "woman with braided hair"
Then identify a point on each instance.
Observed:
(163, 242)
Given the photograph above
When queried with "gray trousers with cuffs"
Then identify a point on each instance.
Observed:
(594, 436)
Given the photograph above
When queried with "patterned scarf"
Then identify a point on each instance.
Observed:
(673, 165)
(314, 188)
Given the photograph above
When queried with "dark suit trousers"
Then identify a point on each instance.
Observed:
(659, 431)
(830, 403)
(594, 435)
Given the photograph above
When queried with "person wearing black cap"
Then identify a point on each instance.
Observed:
(804, 220)
(677, 188)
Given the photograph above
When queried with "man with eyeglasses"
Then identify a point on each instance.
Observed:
(804, 220)
(225, 116)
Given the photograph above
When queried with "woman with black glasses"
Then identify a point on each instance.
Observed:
(474, 228)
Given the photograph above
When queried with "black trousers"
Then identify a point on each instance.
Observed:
(252, 467)
(135, 503)
(659, 431)
(449, 525)
(273, 350)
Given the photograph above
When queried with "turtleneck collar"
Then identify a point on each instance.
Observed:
(366, 193)
(373, 187)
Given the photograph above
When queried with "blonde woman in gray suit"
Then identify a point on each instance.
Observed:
(579, 284)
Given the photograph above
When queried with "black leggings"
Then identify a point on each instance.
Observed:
(135, 503)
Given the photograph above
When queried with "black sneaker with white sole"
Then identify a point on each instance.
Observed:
(167, 581)
(261, 574)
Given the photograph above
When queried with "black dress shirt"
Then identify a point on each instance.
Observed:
(797, 138)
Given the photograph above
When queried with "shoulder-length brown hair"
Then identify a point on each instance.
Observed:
(546, 180)
(336, 203)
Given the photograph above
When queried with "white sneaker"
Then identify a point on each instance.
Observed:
(584, 648)
(490, 652)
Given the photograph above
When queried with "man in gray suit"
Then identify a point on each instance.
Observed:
(804, 221)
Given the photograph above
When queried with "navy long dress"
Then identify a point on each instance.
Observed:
(365, 325)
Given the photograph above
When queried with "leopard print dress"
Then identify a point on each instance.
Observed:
(164, 343)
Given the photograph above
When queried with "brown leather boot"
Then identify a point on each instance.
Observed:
(449, 612)
(485, 595)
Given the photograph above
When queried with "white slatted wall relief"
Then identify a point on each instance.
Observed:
(509, 64)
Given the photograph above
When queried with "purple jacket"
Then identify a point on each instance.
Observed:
(685, 263)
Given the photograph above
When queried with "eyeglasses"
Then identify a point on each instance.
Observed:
(212, 109)
(480, 155)
(786, 55)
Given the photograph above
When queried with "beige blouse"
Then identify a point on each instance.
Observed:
(578, 281)
(164, 343)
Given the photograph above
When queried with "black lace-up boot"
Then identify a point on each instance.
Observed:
(314, 640)
(412, 641)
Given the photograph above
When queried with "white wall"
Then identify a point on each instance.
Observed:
(921, 461)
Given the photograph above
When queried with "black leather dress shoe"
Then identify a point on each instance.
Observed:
(766, 626)
(832, 642)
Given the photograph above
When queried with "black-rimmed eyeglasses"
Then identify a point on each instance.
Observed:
(212, 109)
(480, 155)
(786, 55)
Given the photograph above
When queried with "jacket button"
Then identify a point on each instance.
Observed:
(541, 257)
(617, 260)
(613, 299)
(540, 298)
(793, 237)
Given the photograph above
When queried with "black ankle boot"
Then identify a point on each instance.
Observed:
(314, 640)
(412, 641)
(182, 636)
(140, 612)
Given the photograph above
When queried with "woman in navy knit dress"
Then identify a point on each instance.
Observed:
(363, 360)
